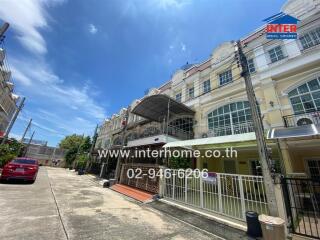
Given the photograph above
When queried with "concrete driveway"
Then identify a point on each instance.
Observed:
(63, 205)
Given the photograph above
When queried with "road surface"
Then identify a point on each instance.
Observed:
(63, 205)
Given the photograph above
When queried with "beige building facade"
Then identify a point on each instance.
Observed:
(8, 99)
(285, 76)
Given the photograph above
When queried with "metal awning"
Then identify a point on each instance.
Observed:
(293, 132)
(214, 140)
(159, 139)
(155, 108)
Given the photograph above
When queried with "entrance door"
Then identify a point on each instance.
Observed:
(313, 166)
(230, 166)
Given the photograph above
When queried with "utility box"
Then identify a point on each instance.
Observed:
(273, 228)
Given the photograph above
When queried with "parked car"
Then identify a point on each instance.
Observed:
(20, 168)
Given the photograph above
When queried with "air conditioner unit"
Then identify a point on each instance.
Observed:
(304, 120)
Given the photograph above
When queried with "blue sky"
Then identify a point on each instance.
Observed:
(79, 61)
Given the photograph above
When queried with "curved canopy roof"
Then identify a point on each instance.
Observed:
(155, 108)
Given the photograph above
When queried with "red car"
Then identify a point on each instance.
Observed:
(20, 168)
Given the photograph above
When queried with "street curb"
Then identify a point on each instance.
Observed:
(210, 216)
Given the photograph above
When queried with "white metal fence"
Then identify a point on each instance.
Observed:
(227, 194)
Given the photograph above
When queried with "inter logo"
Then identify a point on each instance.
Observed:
(281, 26)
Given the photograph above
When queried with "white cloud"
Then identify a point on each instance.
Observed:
(27, 18)
(177, 4)
(93, 29)
(70, 108)
(52, 88)
(19, 76)
(183, 47)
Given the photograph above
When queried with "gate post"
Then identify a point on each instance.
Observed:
(243, 206)
(173, 184)
(186, 188)
(162, 183)
(201, 191)
(287, 203)
(219, 192)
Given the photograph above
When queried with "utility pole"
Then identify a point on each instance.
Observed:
(13, 121)
(28, 145)
(264, 155)
(3, 29)
(26, 130)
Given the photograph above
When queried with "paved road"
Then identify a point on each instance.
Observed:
(62, 205)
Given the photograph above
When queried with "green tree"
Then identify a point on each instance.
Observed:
(86, 144)
(82, 160)
(178, 162)
(76, 145)
(70, 155)
(9, 150)
(71, 141)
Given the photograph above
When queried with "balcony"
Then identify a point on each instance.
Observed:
(157, 135)
(7, 104)
(232, 129)
(296, 120)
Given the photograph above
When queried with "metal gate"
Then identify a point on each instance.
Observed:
(302, 199)
(144, 182)
(228, 194)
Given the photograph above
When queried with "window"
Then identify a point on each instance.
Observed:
(191, 92)
(225, 77)
(206, 86)
(306, 97)
(234, 118)
(310, 39)
(178, 97)
(251, 66)
(24, 161)
(276, 54)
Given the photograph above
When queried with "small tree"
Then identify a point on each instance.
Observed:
(9, 150)
(76, 146)
(178, 162)
(70, 155)
(81, 161)
(86, 145)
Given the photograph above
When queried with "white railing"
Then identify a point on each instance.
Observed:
(228, 194)
(238, 128)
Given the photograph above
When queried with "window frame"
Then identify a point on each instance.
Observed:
(223, 78)
(206, 86)
(300, 97)
(314, 38)
(180, 97)
(277, 58)
(253, 65)
(190, 96)
(231, 115)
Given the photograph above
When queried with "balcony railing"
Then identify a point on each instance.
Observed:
(296, 120)
(179, 133)
(7, 104)
(172, 131)
(233, 129)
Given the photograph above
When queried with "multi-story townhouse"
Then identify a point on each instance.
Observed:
(215, 90)
(205, 106)
(286, 74)
(7, 98)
